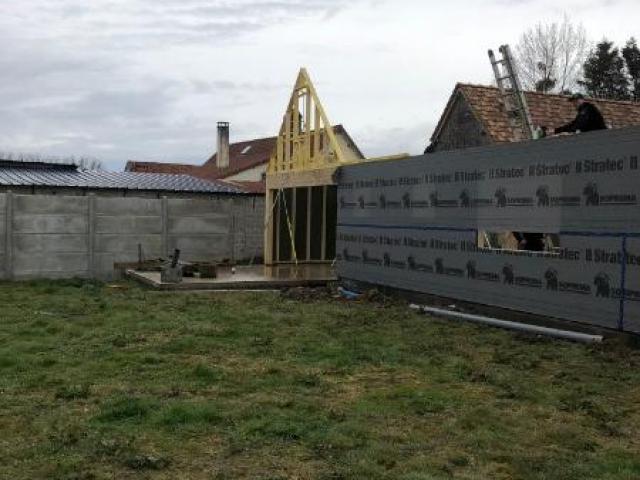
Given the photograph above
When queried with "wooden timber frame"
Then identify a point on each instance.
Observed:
(301, 194)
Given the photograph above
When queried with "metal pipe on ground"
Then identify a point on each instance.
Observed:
(520, 327)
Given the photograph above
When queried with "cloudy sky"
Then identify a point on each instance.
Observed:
(149, 79)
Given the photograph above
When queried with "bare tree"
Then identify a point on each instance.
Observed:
(550, 56)
(88, 164)
(84, 164)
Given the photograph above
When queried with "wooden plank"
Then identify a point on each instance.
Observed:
(275, 163)
(307, 124)
(316, 135)
(268, 227)
(307, 178)
(287, 136)
(295, 139)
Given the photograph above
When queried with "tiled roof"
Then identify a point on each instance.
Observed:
(242, 156)
(24, 174)
(256, 152)
(156, 167)
(547, 110)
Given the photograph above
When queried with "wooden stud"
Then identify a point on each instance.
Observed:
(292, 231)
(307, 137)
(316, 135)
(287, 145)
(295, 132)
(277, 224)
(268, 227)
(323, 255)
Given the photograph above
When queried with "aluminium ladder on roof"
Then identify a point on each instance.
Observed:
(512, 95)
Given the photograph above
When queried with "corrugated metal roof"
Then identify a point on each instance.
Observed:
(22, 175)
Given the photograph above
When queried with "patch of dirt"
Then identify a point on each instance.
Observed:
(308, 294)
(331, 292)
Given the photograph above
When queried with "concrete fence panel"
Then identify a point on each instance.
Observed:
(212, 224)
(190, 207)
(124, 228)
(248, 228)
(54, 236)
(49, 205)
(202, 229)
(49, 236)
(120, 206)
(128, 224)
(46, 224)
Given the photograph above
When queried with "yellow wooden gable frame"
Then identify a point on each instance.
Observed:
(306, 140)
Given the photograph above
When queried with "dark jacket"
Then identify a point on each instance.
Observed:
(532, 241)
(589, 118)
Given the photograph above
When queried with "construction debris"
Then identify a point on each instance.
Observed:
(172, 271)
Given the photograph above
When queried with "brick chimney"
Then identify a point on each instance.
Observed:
(222, 156)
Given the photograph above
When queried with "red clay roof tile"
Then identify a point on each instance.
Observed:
(242, 156)
(547, 110)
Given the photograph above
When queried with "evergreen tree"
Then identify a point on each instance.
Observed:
(604, 73)
(631, 54)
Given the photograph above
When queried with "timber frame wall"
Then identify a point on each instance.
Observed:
(301, 192)
(304, 227)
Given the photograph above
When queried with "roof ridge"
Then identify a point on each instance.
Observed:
(272, 137)
(547, 94)
(141, 162)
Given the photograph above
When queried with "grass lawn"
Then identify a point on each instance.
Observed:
(98, 383)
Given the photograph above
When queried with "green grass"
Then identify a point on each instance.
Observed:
(99, 383)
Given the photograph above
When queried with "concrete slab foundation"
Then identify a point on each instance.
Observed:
(246, 278)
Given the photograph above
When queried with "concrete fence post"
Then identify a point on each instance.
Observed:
(232, 231)
(91, 222)
(8, 242)
(164, 241)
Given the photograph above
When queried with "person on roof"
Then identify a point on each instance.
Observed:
(531, 241)
(588, 118)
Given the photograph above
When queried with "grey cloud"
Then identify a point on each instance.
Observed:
(147, 79)
(139, 21)
(380, 141)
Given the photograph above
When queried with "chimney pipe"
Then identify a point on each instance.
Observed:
(222, 157)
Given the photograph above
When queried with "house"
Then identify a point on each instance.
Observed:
(242, 163)
(475, 116)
